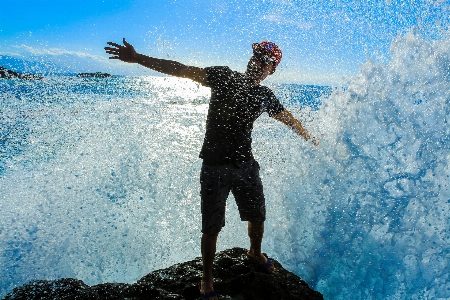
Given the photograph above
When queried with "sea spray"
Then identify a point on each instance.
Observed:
(371, 209)
(100, 179)
(103, 185)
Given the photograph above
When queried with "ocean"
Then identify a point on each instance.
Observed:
(99, 178)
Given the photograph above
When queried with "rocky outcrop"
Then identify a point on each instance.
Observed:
(94, 75)
(236, 277)
(8, 74)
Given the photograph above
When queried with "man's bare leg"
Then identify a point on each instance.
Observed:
(255, 233)
(208, 252)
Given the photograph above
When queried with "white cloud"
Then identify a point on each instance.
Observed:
(282, 19)
(286, 12)
(58, 52)
(13, 54)
(284, 2)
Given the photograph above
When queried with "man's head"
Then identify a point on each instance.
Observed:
(265, 59)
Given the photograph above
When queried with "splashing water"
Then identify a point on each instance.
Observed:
(370, 218)
(99, 179)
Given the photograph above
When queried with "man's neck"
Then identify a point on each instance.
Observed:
(251, 81)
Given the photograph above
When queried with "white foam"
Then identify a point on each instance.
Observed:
(379, 182)
(106, 187)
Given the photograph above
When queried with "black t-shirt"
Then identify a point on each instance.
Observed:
(233, 108)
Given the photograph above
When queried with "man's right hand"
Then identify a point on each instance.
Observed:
(124, 53)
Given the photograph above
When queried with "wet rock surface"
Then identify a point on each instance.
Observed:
(8, 74)
(95, 75)
(236, 277)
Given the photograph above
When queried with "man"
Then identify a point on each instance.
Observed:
(237, 100)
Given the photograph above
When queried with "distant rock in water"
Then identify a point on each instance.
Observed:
(8, 74)
(95, 75)
(236, 277)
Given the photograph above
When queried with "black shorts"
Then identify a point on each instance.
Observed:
(245, 184)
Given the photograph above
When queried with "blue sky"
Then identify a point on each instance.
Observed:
(322, 41)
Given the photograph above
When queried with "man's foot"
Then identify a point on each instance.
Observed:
(265, 264)
(207, 291)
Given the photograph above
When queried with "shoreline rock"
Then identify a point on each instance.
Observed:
(236, 277)
(8, 74)
(94, 75)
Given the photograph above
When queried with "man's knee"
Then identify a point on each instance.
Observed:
(255, 224)
(255, 228)
(213, 224)
(210, 236)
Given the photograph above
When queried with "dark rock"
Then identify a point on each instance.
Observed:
(8, 74)
(94, 75)
(66, 288)
(236, 277)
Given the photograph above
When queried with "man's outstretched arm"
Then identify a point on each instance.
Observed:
(127, 53)
(287, 118)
